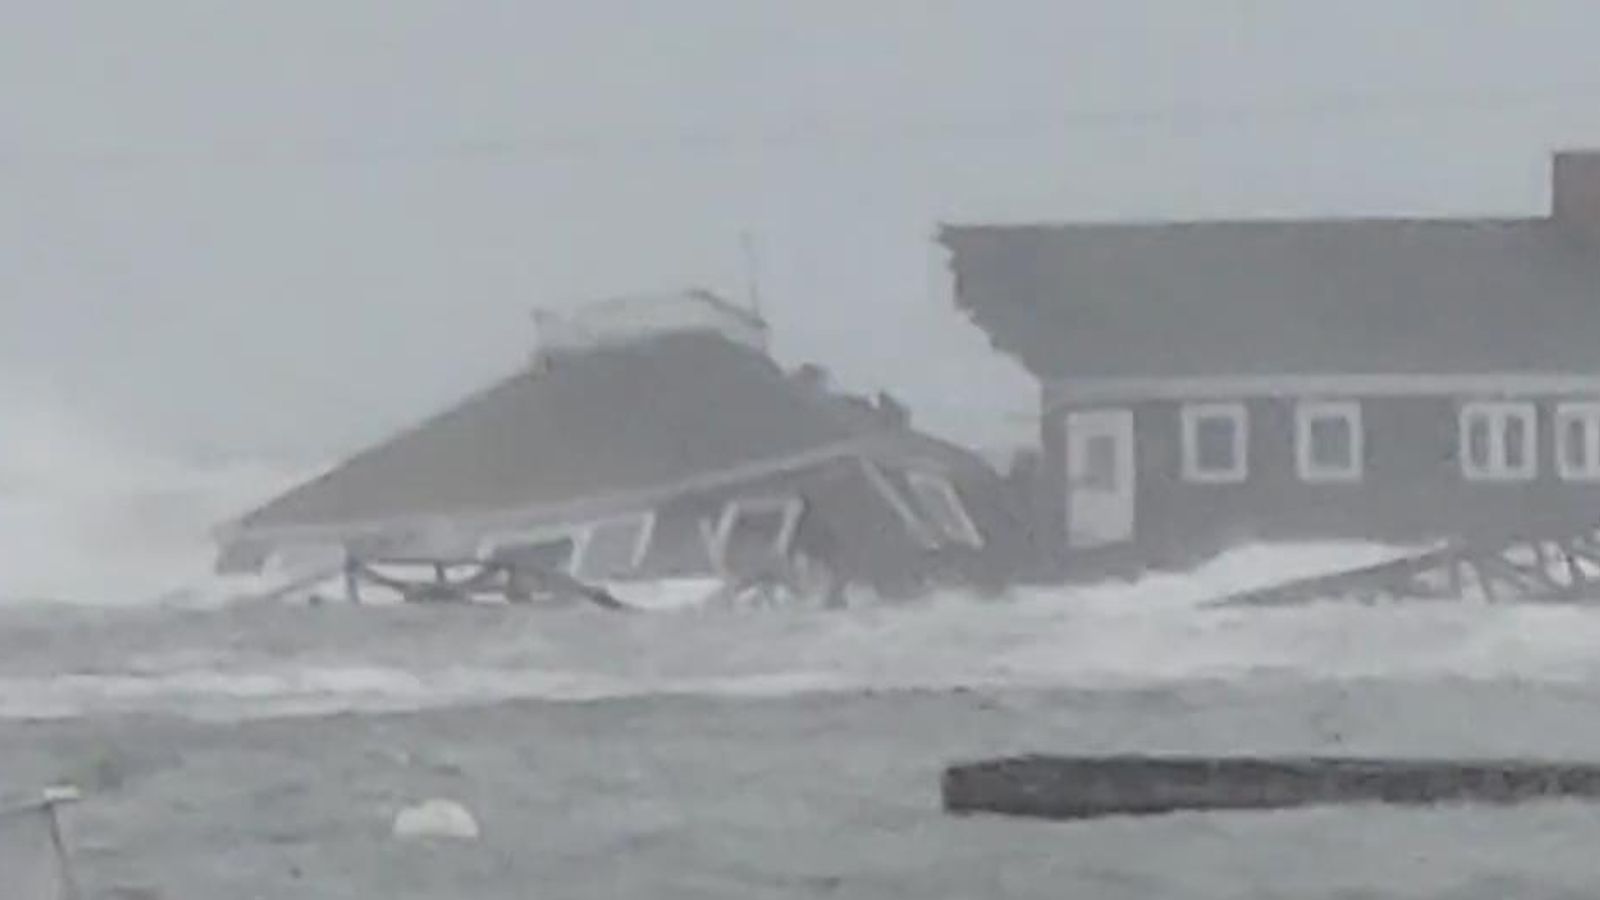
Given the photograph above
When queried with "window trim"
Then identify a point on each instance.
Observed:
(1586, 412)
(1497, 413)
(491, 544)
(1306, 414)
(920, 531)
(922, 479)
(1239, 415)
(580, 535)
(641, 544)
(716, 538)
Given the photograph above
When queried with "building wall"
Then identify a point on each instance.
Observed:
(1049, 501)
(1412, 488)
(849, 524)
(678, 547)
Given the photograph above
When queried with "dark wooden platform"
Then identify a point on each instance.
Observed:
(1089, 787)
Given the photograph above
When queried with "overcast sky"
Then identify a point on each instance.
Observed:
(286, 227)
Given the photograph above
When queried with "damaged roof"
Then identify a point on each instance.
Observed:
(1284, 297)
(621, 420)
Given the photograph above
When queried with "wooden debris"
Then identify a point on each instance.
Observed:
(1549, 568)
(1069, 788)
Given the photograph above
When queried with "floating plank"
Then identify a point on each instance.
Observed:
(1072, 788)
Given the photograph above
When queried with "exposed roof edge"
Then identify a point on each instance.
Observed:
(1060, 392)
(535, 516)
(1574, 189)
(949, 233)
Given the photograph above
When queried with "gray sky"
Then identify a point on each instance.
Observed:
(288, 227)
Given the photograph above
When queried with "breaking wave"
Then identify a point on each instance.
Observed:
(89, 516)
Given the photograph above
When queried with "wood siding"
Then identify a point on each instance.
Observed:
(1412, 488)
(849, 523)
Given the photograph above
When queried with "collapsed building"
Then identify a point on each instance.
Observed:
(649, 439)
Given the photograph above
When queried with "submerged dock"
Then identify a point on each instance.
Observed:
(1073, 788)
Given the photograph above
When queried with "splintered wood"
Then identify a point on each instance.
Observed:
(1545, 569)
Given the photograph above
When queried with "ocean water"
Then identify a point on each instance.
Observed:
(800, 797)
(107, 604)
(280, 660)
(261, 749)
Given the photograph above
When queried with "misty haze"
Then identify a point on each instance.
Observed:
(798, 449)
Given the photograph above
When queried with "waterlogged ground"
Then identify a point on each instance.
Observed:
(812, 796)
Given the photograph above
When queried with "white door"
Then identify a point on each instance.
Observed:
(1100, 477)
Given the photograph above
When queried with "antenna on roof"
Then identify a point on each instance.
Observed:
(752, 271)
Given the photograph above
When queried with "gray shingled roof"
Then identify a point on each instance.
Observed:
(1264, 298)
(631, 418)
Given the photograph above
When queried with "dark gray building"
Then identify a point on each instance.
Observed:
(650, 439)
(1208, 383)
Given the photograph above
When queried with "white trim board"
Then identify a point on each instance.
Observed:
(922, 481)
(1348, 414)
(791, 506)
(1078, 391)
(644, 522)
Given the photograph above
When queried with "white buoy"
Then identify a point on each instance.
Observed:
(436, 819)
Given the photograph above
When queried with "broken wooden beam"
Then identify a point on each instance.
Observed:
(1517, 568)
(1391, 578)
(1071, 788)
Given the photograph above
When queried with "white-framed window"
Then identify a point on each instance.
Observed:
(612, 547)
(1499, 441)
(1578, 441)
(941, 505)
(551, 549)
(753, 529)
(1216, 443)
(1329, 442)
(915, 525)
(600, 549)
